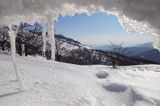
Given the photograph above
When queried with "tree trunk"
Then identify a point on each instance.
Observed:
(3, 46)
(26, 49)
(20, 47)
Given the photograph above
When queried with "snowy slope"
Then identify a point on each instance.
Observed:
(69, 43)
(48, 83)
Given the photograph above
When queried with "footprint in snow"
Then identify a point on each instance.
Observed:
(113, 87)
(102, 75)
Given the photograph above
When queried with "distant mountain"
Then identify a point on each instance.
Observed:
(72, 51)
(144, 51)
(60, 37)
(135, 51)
(102, 47)
(152, 55)
(130, 51)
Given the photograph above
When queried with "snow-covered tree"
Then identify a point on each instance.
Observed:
(4, 37)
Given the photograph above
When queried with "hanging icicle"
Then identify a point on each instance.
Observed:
(51, 35)
(12, 35)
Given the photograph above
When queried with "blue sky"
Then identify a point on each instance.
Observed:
(98, 29)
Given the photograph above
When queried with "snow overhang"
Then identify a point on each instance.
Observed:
(134, 15)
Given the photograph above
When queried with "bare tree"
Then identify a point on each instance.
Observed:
(29, 41)
(59, 48)
(117, 48)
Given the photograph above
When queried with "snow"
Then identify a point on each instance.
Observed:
(49, 83)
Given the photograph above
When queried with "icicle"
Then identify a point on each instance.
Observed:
(44, 39)
(51, 35)
(12, 35)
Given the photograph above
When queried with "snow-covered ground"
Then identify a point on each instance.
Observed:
(48, 83)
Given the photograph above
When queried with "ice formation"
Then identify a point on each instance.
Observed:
(134, 15)
(51, 35)
(12, 35)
